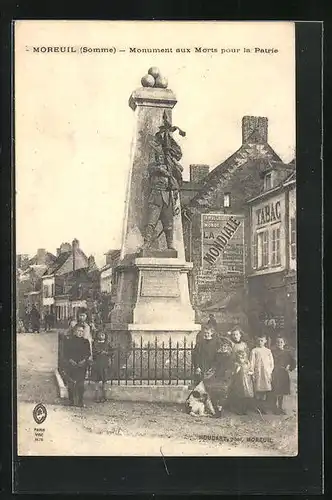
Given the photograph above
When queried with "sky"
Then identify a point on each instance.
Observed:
(73, 125)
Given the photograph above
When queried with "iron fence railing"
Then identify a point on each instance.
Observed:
(151, 363)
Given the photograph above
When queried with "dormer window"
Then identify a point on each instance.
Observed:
(268, 181)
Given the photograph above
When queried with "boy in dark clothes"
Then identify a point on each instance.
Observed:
(205, 353)
(77, 353)
(284, 362)
(100, 357)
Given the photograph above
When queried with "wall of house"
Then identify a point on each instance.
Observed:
(241, 185)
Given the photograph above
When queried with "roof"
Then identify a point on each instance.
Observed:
(49, 257)
(113, 253)
(106, 267)
(60, 260)
(275, 165)
(244, 154)
(290, 179)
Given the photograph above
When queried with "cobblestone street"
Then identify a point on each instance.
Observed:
(122, 428)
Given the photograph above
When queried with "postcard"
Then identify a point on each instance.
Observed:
(156, 238)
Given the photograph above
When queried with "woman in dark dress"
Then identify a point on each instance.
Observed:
(218, 381)
(100, 359)
(76, 353)
(284, 362)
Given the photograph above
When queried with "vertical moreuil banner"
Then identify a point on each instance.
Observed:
(223, 252)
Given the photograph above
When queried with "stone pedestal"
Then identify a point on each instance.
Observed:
(152, 285)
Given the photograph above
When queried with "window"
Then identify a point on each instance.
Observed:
(263, 249)
(52, 290)
(45, 291)
(227, 200)
(275, 247)
(293, 238)
(268, 181)
(254, 252)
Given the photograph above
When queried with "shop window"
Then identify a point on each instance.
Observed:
(275, 247)
(227, 200)
(263, 249)
(293, 238)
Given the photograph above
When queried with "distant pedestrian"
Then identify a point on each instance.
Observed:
(284, 362)
(48, 320)
(20, 326)
(100, 360)
(35, 319)
(262, 364)
(76, 354)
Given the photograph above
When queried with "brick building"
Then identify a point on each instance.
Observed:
(216, 226)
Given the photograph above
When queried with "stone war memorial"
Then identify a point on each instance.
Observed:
(152, 294)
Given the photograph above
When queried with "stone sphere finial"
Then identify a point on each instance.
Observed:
(154, 78)
(148, 81)
(161, 82)
(155, 72)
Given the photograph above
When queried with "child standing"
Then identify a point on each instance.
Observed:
(284, 362)
(238, 343)
(261, 364)
(241, 389)
(77, 353)
(100, 357)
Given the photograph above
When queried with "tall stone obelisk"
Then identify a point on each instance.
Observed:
(152, 289)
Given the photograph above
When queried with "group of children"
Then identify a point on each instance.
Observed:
(230, 375)
(81, 350)
(227, 372)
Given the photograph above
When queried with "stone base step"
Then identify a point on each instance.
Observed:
(162, 393)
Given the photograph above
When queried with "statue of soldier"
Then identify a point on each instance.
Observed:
(165, 176)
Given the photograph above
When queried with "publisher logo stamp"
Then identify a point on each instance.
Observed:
(39, 413)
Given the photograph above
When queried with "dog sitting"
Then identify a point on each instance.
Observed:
(195, 404)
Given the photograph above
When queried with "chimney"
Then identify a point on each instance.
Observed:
(198, 172)
(58, 251)
(75, 246)
(41, 256)
(65, 247)
(91, 262)
(254, 129)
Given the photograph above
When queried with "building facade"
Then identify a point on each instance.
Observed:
(29, 280)
(271, 277)
(72, 281)
(216, 227)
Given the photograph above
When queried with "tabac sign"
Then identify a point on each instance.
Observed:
(223, 244)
